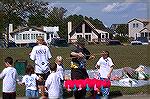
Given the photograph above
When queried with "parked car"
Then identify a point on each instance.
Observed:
(59, 42)
(143, 40)
(3, 44)
(114, 42)
(136, 43)
(12, 44)
(31, 45)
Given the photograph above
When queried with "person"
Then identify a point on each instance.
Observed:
(79, 57)
(105, 68)
(52, 83)
(41, 55)
(29, 80)
(60, 71)
(137, 73)
(10, 77)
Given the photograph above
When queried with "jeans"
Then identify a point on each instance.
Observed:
(32, 93)
(102, 97)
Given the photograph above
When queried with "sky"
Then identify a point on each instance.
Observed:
(107, 11)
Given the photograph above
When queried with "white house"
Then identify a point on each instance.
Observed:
(24, 35)
(139, 28)
(88, 31)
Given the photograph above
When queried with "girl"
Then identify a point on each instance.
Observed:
(30, 82)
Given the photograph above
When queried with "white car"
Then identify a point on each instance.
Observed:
(136, 43)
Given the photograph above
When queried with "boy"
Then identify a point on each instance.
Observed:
(52, 83)
(9, 76)
(60, 72)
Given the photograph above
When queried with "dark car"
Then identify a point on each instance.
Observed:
(59, 42)
(4, 44)
(12, 44)
(31, 45)
(114, 42)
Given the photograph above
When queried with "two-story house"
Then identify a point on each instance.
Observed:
(139, 28)
(86, 30)
(24, 35)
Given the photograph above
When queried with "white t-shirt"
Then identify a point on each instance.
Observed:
(60, 72)
(10, 77)
(105, 66)
(53, 85)
(41, 55)
(30, 81)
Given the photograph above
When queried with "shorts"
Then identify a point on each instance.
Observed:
(11, 95)
(44, 76)
(32, 93)
(79, 73)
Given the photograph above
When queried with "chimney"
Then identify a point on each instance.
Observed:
(10, 28)
(69, 30)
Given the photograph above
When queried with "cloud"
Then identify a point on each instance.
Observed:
(116, 7)
(73, 11)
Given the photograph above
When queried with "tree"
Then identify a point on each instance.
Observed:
(37, 20)
(22, 9)
(122, 29)
(56, 17)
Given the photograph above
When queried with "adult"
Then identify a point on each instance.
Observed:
(78, 65)
(41, 55)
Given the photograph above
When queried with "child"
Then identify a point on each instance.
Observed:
(30, 82)
(105, 67)
(52, 83)
(9, 76)
(60, 72)
(41, 55)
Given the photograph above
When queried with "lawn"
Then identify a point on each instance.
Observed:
(122, 56)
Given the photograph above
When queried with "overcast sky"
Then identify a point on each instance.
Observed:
(108, 11)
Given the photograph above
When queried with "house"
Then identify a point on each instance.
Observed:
(88, 31)
(25, 35)
(139, 28)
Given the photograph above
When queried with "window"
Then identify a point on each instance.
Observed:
(133, 25)
(142, 34)
(107, 35)
(137, 25)
(103, 36)
(28, 36)
(88, 37)
(23, 36)
(32, 36)
(79, 29)
(78, 36)
(146, 34)
(87, 29)
(36, 35)
(17, 36)
(20, 36)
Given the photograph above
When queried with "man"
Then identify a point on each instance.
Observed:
(78, 65)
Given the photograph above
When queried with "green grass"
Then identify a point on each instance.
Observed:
(122, 56)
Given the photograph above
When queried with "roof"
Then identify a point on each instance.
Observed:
(96, 31)
(141, 20)
(27, 28)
